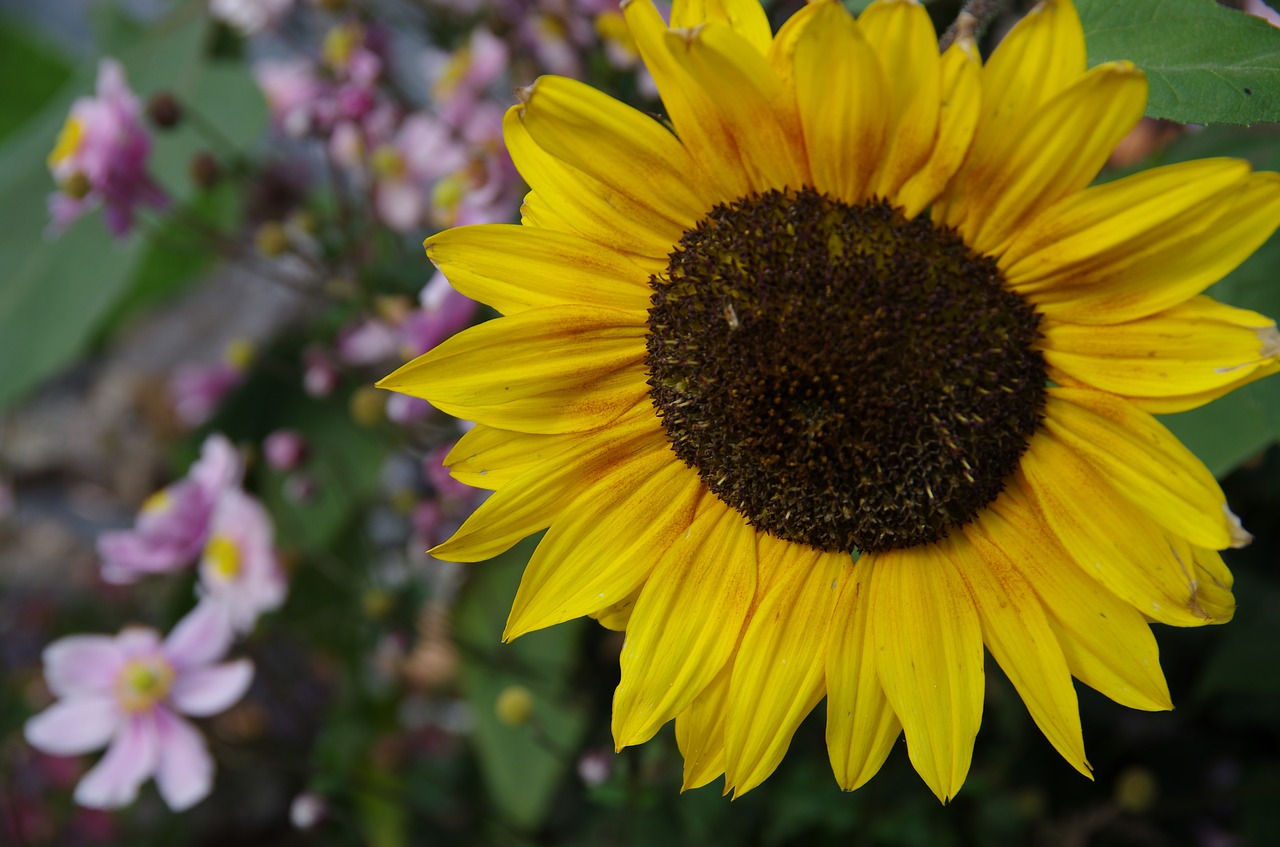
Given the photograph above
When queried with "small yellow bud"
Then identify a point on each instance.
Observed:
(1136, 790)
(271, 240)
(77, 186)
(515, 705)
(368, 406)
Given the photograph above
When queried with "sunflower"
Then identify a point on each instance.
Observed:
(842, 373)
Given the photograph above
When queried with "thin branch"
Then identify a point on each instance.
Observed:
(972, 21)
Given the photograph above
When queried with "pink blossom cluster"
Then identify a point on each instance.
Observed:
(131, 691)
(100, 157)
(204, 517)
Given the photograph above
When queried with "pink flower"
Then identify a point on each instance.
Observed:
(422, 150)
(239, 571)
(444, 311)
(131, 691)
(250, 16)
(101, 157)
(174, 522)
(291, 89)
(285, 449)
(197, 390)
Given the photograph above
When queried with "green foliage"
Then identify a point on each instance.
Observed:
(1206, 64)
(524, 764)
(33, 72)
(58, 291)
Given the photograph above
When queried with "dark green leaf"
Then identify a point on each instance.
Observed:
(1206, 64)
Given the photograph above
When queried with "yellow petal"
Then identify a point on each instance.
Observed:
(617, 616)
(1111, 540)
(1017, 632)
(861, 728)
(597, 554)
(1145, 463)
(559, 369)
(751, 109)
(1105, 223)
(514, 268)
(490, 458)
(1215, 582)
(843, 103)
(902, 34)
(1107, 642)
(744, 17)
(686, 622)
(530, 502)
(700, 732)
(961, 99)
(582, 203)
(1168, 257)
(624, 150)
(1212, 596)
(1040, 57)
(779, 669)
(928, 644)
(693, 113)
(1058, 152)
(1170, 361)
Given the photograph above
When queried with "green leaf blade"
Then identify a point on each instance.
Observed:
(1205, 63)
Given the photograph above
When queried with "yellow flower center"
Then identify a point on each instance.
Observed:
(387, 163)
(339, 44)
(158, 502)
(70, 139)
(223, 557)
(239, 353)
(143, 683)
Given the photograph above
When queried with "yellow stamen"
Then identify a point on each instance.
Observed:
(70, 139)
(143, 683)
(223, 558)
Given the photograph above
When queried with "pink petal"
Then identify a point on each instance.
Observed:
(203, 636)
(74, 726)
(185, 772)
(81, 664)
(114, 781)
(208, 690)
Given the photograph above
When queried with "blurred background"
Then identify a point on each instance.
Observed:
(300, 151)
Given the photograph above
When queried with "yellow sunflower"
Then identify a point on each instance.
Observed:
(843, 373)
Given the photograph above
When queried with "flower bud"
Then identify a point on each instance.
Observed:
(515, 705)
(164, 110)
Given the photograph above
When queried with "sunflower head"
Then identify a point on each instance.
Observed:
(842, 375)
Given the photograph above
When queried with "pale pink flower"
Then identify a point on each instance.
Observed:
(422, 150)
(131, 692)
(404, 410)
(100, 157)
(173, 525)
(250, 16)
(444, 311)
(1262, 10)
(239, 571)
(285, 449)
(291, 88)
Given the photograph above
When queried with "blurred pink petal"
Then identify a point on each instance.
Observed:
(206, 691)
(82, 664)
(203, 636)
(131, 758)
(74, 726)
(184, 773)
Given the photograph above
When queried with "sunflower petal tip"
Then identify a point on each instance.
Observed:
(1270, 338)
(1240, 537)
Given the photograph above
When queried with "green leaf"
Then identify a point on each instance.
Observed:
(522, 765)
(33, 72)
(1206, 64)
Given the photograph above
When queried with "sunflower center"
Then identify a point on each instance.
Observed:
(842, 376)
